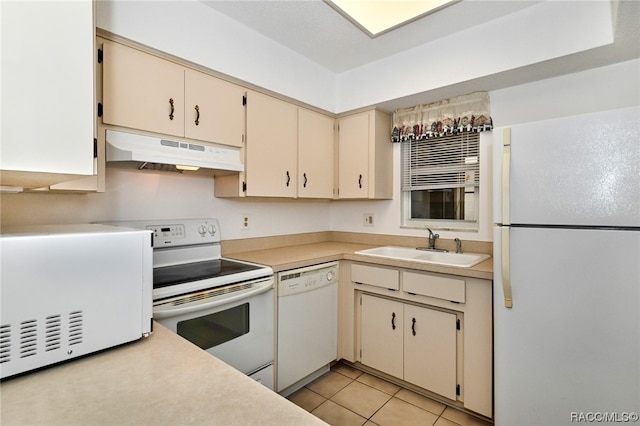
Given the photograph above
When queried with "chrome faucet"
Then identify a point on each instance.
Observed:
(432, 239)
(432, 243)
(458, 245)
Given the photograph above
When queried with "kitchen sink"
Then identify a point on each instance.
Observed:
(460, 260)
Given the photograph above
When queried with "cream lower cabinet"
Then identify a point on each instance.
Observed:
(425, 330)
(412, 343)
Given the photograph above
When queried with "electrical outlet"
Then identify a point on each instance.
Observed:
(367, 219)
(245, 222)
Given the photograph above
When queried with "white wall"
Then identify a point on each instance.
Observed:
(507, 43)
(195, 32)
(190, 30)
(138, 195)
(134, 195)
(611, 87)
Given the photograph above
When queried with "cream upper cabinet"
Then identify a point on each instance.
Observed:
(315, 155)
(270, 151)
(365, 157)
(47, 131)
(142, 91)
(214, 109)
(145, 92)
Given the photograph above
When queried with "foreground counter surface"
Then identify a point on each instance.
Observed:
(162, 379)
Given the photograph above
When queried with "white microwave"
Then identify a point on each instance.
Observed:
(69, 290)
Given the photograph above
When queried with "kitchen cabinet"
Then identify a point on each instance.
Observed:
(451, 353)
(315, 155)
(145, 92)
(365, 157)
(289, 152)
(270, 152)
(47, 131)
(413, 343)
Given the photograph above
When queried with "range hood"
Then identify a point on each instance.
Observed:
(130, 150)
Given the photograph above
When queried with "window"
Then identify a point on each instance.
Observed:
(441, 181)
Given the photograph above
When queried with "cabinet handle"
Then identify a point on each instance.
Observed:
(305, 180)
(288, 178)
(172, 109)
(393, 320)
(413, 326)
(360, 181)
(197, 108)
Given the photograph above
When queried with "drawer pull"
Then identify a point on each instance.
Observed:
(413, 326)
(172, 109)
(393, 320)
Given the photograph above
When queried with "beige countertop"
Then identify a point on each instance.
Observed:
(159, 380)
(296, 256)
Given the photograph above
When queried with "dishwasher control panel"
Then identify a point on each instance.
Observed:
(307, 279)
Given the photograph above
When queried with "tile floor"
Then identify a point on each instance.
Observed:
(345, 396)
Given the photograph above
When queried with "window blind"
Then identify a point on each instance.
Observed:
(446, 162)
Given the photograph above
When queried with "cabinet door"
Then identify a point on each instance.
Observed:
(381, 334)
(430, 350)
(213, 109)
(353, 153)
(272, 127)
(315, 155)
(47, 91)
(142, 91)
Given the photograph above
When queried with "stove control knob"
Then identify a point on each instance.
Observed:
(330, 275)
(202, 230)
(212, 230)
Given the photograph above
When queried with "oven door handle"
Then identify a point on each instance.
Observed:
(169, 311)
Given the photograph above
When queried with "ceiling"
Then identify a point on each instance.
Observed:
(318, 32)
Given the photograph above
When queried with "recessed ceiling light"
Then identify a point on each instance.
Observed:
(376, 17)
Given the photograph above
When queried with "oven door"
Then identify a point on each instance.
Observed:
(234, 323)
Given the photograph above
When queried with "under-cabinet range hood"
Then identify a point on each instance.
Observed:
(130, 150)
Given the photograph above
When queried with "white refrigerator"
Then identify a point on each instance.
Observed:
(567, 270)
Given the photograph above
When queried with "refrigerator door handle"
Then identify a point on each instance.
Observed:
(506, 271)
(506, 175)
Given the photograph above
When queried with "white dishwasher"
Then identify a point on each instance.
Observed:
(307, 325)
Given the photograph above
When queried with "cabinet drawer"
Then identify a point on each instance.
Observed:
(379, 277)
(446, 288)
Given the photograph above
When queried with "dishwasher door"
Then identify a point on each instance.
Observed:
(307, 324)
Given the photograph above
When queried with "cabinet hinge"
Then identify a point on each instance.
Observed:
(244, 100)
(100, 56)
(458, 324)
(99, 109)
(458, 390)
(244, 186)
(95, 148)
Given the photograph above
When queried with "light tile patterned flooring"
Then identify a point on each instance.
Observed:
(345, 396)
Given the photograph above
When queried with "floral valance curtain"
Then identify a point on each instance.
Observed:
(467, 113)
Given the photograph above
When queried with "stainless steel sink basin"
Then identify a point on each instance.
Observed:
(460, 260)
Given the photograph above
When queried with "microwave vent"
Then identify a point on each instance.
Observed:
(76, 322)
(34, 338)
(53, 331)
(28, 338)
(5, 343)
